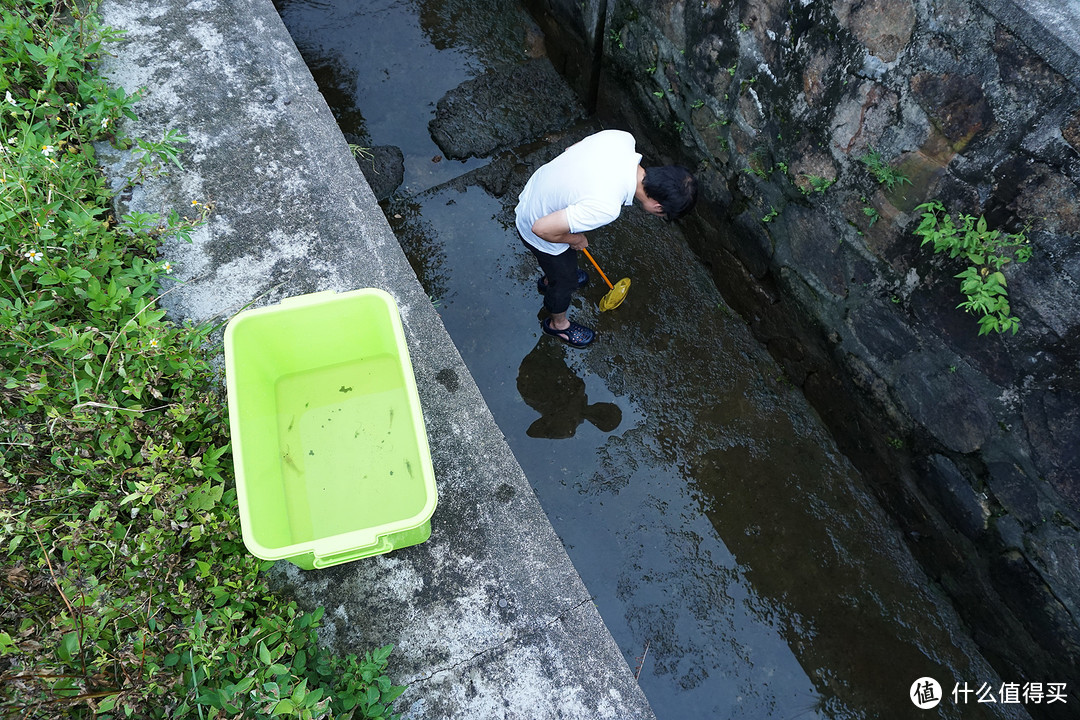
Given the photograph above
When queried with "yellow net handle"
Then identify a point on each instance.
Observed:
(589, 255)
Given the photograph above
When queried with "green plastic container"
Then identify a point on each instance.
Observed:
(331, 456)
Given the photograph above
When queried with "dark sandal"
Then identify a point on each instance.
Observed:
(582, 281)
(575, 336)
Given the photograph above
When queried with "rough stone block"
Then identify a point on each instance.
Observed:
(1052, 420)
(883, 26)
(884, 335)
(1015, 491)
(956, 104)
(949, 407)
(384, 169)
(947, 487)
(503, 108)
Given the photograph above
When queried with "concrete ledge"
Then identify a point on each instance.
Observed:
(489, 617)
(1050, 27)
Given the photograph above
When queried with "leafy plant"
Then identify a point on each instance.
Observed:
(989, 251)
(884, 173)
(872, 213)
(817, 184)
(127, 589)
(768, 217)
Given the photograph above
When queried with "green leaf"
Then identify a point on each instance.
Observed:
(284, 706)
(107, 704)
(205, 497)
(68, 647)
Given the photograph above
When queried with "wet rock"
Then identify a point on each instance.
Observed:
(953, 411)
(1029, 78)
(1015, 491)
(1071, 130)
(813, 246)
(882, 332)
(1042, 613)
(1053, 421)
(942, 481)
(504, 108)
(383, 167)
(1050, 197)
(814, 82)
(883, 26)
(956, 105)
(863, 116)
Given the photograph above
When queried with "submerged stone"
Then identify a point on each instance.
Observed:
(503, 108)
(383, 167)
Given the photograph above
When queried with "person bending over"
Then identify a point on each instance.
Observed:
(582, 189)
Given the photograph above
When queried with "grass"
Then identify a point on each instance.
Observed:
(127, 591)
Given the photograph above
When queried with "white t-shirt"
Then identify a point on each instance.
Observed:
(592, 180)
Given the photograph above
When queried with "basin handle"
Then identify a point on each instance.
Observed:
(382, 546)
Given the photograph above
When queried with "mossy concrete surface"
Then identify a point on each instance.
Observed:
(489, 617)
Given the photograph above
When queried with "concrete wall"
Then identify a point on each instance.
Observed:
(971, 441)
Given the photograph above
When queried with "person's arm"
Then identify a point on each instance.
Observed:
(555, 228)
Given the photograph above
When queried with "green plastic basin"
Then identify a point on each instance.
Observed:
(329, 446)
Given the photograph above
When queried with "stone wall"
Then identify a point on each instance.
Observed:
(971, 440)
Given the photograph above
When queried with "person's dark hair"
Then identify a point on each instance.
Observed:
(673, 187)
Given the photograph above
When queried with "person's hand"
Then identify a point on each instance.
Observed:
(578, 241)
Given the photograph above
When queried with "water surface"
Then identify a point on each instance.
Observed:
(736, 556)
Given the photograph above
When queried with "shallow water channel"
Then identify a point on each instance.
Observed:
(736, 556)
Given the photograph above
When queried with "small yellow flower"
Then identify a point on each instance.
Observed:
(194, 202)
(153, 342)
(33, 255)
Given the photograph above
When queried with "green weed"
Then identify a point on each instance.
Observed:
(989, 251)
(128, 591)
(884, 173)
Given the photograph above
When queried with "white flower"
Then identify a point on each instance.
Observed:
(153, 342)
(13, 141)
(47, 150)
(104, 123)
(167, 267)
(33, 255)
(9, 99)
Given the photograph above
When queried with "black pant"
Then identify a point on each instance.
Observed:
(561, 273)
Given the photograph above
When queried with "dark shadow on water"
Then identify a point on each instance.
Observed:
(552, 389)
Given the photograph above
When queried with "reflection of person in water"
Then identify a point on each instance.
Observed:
(552, 389)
